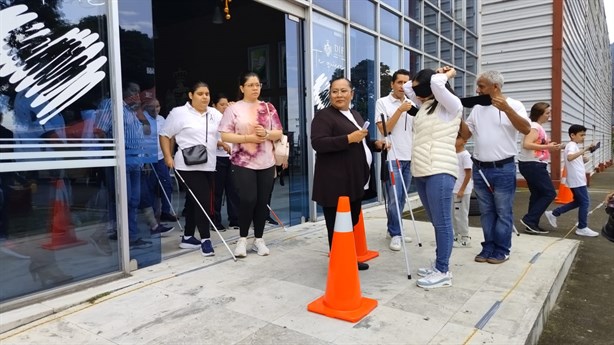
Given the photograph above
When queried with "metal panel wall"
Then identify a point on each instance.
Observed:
(517, 41)
(587, 95)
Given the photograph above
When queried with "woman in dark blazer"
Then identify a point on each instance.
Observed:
(343, 156)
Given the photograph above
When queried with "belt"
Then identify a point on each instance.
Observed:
(496, 164)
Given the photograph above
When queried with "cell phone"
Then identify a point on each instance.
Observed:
(365, 125)
(598, 145)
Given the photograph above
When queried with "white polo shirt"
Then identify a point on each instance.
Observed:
(402, 133)
(493, 133)
(190, 128)
(576, 172)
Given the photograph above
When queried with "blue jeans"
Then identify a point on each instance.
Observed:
(436, 195)
(581, 201)
(394, 228)
(165, 179)
(496, 207)
(541, 188)
(133, 182)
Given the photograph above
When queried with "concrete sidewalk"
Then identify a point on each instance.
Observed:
(262, 300)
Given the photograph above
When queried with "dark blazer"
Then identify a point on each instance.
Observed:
(341, 168)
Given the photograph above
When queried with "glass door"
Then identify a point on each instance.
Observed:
(290, 200)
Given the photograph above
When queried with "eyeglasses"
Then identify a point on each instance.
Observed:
(256, 85)
(341, 92)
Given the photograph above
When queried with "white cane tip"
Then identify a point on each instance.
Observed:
(419, 244)
(409, 276)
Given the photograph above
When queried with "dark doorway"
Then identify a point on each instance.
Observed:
(191, 44)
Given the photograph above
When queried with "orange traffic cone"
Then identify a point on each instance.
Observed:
(62, 230)
(362, 252)
(343, 299)
(564, 196)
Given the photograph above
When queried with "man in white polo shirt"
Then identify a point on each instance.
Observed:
(399, 125)
(494, 129)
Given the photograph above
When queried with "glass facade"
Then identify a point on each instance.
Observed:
(78, 164)
(55, 162)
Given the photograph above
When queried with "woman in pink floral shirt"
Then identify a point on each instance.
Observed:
(252, 126)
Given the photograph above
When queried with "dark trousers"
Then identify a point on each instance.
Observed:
(225, 184)
(200, 183)
(330, 215)
(253, 188)
(541, 188)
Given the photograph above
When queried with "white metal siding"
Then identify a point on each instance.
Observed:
(517, 41)
(587, 95)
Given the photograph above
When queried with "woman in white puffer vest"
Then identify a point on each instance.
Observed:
(434, 162)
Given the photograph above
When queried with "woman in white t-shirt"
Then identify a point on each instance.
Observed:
(194, 124)
(533, 165)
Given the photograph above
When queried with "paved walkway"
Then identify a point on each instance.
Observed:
(262, 300)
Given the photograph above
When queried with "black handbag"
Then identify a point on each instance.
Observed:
(195, 155)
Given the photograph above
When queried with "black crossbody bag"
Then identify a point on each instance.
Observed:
(196, 154)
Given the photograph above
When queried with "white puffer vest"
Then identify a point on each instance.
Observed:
(434, 149)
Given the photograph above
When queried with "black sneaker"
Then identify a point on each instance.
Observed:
(189, 243)
(234, 226)
(362, 266)
(113, 236)
(167, 217)
(220, 227)
(206, 249)
(140, 244)
(532, 229)
(271, 221)
(161, 230)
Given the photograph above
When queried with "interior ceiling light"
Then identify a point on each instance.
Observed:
(227, 9)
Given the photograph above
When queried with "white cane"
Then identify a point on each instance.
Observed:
(207, 215)
(411, 211)
(396, 199)
(276, 218)
(166, 196)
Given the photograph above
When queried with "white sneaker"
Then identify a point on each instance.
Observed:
(435, 280)
(462, 242)
(551, 218)
(260, 247)
(241, 248)
(395, 243)
(425, 271)
(407, 238)
(586, 232)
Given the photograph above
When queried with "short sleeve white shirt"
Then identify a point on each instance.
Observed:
(464, 162)
(494, 135)
(402, 133)
(190, 128)
(576, 173)
(160, 123)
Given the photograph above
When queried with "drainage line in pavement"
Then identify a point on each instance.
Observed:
(490, 313)
(535, 257)
(520, 279)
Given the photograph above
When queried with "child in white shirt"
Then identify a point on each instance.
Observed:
(576, 181)
(461, 195)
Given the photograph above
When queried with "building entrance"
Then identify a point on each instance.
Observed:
(193, 41)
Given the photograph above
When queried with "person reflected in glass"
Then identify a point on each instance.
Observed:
(251, 126)
(343, 156)
(135, 128)
(165, 212)
(195, 123)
